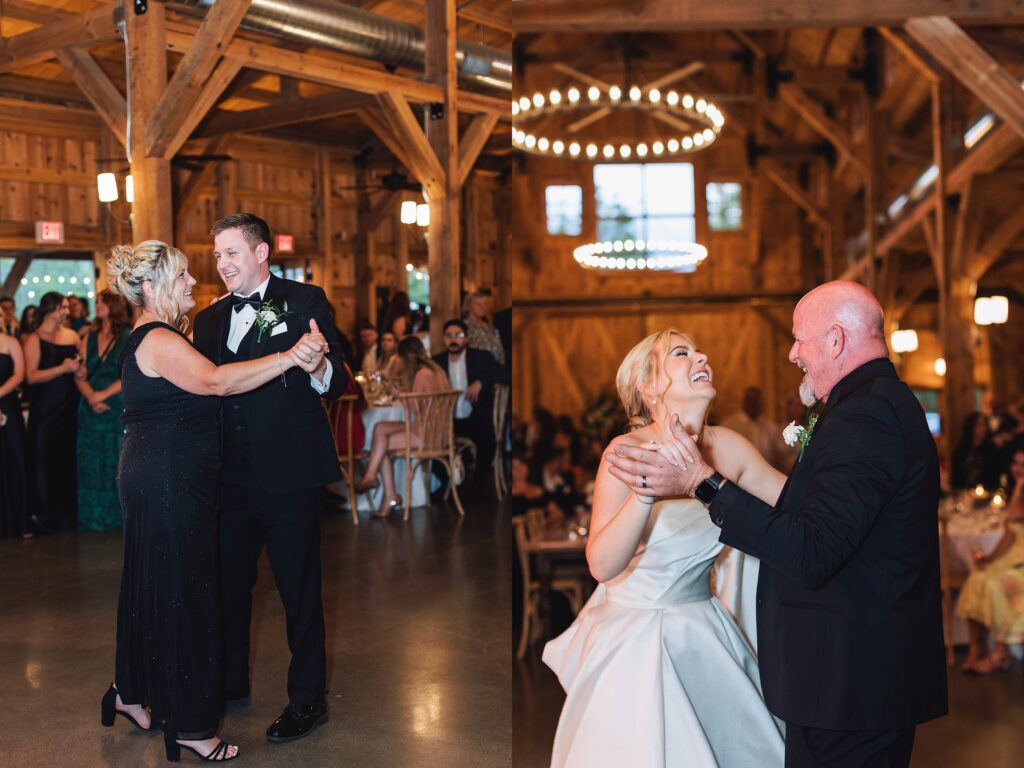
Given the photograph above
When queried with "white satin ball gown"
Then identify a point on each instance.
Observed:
(655, 670)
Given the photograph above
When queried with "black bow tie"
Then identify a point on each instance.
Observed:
(253, 301)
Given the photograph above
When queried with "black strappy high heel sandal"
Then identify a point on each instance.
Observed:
(109, 710)
(218, 755)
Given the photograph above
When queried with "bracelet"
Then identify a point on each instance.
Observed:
(645, 501)
(281, 368)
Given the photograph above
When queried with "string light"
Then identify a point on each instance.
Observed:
(632, 255)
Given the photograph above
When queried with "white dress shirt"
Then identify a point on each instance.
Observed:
(460, 380)
(242, 320)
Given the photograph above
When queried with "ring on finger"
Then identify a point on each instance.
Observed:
(643, 481)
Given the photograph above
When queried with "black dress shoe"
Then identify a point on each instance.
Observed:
(296, 721)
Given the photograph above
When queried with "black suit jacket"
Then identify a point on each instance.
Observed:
(292, 445)
(480, 366)
(849, 623)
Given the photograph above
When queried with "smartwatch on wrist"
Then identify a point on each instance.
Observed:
(708, 487)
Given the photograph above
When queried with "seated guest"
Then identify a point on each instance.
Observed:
(99, 414)
(474, 372)
(13, 470)
(368, 347)
(751, 422)
(554, 471)
(975, 460)
(387, 359)
(992, 598)
(10, 316)
(418, 373)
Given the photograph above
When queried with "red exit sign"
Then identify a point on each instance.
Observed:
(284, 244)
(50, 232)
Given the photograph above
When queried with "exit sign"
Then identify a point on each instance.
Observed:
(50, 232)
(284, 243)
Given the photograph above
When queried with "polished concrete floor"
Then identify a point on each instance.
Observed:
(418, 648)
(985, 727)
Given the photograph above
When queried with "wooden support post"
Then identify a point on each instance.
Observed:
(443, 251)
(323, 274)
(152, 217)
(471, 221)
(364, 251)
(876, 135)
(18, 270)
(956, 287)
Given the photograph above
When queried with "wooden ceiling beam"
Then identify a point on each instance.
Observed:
(375, 120)
(778, 176)
(814, 115)
(98, 89)
(197, 75)
(1003, 236)
(337, 72)
(472, 143)
(285, 112)
(426, 166)
(79, 30)
(971, 65)
(39, 89)
(910, 54)
(199, 180)
(678, 15)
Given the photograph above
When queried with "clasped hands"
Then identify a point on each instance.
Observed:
(657, 470)
(310, 351)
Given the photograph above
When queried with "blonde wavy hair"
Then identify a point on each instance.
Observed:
(639, 370)
(151, 260)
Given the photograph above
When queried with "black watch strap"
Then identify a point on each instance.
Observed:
(708, 487)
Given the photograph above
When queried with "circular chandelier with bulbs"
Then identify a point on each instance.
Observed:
(681, 110)
(629, 255)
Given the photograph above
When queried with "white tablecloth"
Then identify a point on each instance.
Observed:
(371, 501)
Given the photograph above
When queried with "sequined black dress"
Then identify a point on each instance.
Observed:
(52, 437)
(168, 616)
(13, 475)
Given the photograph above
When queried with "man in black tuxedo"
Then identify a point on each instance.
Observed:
(849, 623)
(474, 371)
(277, 454)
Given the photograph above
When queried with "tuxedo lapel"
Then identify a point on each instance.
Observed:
(220, 326)
(276, 293)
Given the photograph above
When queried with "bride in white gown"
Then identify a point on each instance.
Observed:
(655, 670)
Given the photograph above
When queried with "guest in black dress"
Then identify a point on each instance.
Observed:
(51, 359)
(168, 621)
(13, 474)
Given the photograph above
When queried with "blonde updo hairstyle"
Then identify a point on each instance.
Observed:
(131, 266)
(639, 372)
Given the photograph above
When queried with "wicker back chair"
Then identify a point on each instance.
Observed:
(501, 395)
(347, 461)
(429, 436)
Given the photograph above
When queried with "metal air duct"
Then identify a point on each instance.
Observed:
(351, 30)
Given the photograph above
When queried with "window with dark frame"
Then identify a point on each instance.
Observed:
(645, 201)
(725, 208)
(563, 204)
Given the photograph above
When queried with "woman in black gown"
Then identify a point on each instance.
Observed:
(51, 359)
(168, 621)
(13, 474)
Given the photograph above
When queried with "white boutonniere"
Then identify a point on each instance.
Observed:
(801, 433)
(268, 316)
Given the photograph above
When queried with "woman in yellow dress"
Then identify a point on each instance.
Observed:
(992, 598)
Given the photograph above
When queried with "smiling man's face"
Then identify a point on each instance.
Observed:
(241, 267)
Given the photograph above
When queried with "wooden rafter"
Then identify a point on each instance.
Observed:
(679, 15)
(199, 180)
(677, 74)
(425, 165)
(1001, 238)
(374, 119)
(472, 143)
(792, 190)
(73, 31)
(813, 113)
(971, 65)
(285, 112)
(338, 73)
(908, 52)
(97, 87)
(211, 91)
(198, 69)
(381, 209)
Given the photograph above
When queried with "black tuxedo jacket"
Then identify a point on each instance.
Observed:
(480, 366)
(292, 445)
(849, 624)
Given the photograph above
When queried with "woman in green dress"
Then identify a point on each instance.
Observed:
(99, 415)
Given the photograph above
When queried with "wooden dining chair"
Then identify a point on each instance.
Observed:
(343, 436)
(949, 583)
(429, 436)
(501, 395)
(526, 529)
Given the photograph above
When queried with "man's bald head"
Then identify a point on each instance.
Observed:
(837, 327)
